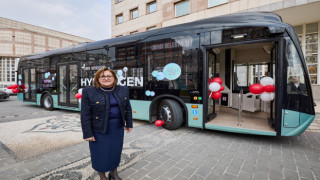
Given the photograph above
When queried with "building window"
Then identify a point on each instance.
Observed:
(151, 28)
(182, 8)
(308, 36)
(152, 7)
(117, 1)
(119, 18)
(312, 50)
(212, 3)
(133, 32)
(134, 13)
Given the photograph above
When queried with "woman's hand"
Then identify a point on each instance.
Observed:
(90, 139)
(127, 129)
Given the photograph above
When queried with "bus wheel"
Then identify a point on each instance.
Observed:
(170, 112)
(47, 102)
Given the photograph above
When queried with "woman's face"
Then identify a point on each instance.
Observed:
(106, 79)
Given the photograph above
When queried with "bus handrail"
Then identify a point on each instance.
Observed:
(240, 106)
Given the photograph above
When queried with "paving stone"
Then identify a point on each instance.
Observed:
(290, 174)
(304, 173)
(245, 176)
(157, 172)
(187, 171)
(260, 175)
(172, 172)
(228, 176)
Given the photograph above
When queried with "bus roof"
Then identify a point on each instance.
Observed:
(265, 19)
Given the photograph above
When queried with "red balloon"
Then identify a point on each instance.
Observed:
(216, 95)
(15, 90)
(221, 88)
(78, 95)
(256, 89)
(159, 123)
(217, 79)
(15, 86)
(209, 80)
(9, 87)
(269, 88)
(22, 86)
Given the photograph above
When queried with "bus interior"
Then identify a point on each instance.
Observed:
(240, 66)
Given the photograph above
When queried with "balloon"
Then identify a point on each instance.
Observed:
(217, 79)
(159, 123)
(209, 80)
(15, 90)
(9, 87)
(221, 88)
(78, 95)
(80, 91)
(22, 86)
(79, 100)
(214, 87)
(216, 95)
(266, 81)
(15, 86)
(256, 88)
(269, 88)
(265, 96)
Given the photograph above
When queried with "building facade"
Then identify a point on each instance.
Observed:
(18, 39)
(129, 17)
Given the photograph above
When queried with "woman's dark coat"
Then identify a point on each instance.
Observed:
(95, 108)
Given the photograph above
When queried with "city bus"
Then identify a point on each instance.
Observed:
(168, 72)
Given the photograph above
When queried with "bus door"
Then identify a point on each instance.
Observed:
(68, 84)
(29, 81)
(240, 65)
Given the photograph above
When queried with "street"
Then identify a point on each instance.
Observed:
(40, 144)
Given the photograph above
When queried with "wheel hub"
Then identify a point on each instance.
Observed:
(47, 102)
(165, 113)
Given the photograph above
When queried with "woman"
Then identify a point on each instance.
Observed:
(105, 114)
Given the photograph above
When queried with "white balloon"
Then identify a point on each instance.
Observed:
(80, 91)
(265, 96)
(79, 100)
(266, 81)
(214, 87)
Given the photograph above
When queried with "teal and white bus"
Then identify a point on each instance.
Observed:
(167, 72)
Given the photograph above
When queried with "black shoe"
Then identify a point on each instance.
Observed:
(111, 178)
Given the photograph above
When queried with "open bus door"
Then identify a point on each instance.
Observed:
(29, 81)
(68, 84)
(240, 65)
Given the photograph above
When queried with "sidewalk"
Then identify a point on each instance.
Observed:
(151, 152)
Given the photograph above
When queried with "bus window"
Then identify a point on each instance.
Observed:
(180, 50)
(296, 89)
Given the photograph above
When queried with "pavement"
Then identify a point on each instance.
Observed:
(151, 153)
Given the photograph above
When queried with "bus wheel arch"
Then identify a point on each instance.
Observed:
(47, 101)
(166, 103)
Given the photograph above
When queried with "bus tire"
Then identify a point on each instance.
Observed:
(47, 102)
(170, 112)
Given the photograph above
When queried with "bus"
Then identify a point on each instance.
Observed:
(168, 72)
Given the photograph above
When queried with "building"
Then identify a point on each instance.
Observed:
(129, 17)
(18, 39)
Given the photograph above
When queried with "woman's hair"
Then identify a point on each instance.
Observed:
(96, 82)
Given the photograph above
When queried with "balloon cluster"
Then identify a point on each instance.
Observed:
(79, 95)
(159, 123)
(15, 88)
(265, 88)
(215, 87)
